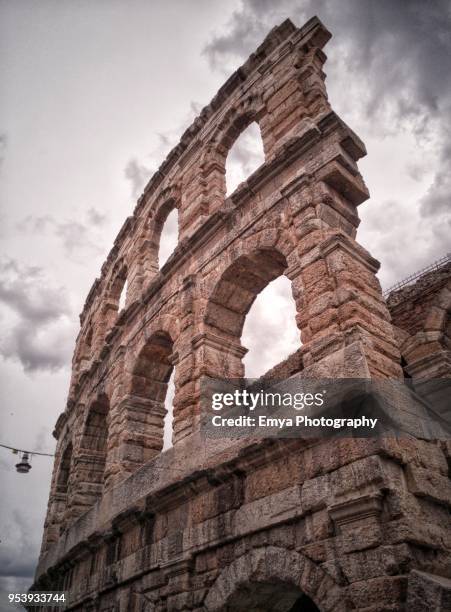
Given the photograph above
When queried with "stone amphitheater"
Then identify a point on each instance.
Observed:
(228, 525)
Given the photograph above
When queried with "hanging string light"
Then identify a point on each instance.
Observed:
(24, 465)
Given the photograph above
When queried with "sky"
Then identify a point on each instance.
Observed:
(95, 93)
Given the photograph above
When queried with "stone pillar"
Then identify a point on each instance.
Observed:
(339, 299)
(136, 435)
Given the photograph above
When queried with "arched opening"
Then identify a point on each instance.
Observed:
(62, 483)
(118, 292)
(304, 604)
(270, 332)
(88, 339)
(123, 297)
(245, 156)
(149, 389)
(235, 149)
(269, 597)
(169, 416)
(271, 579)
(230, 303)
(84, 354)
(93, 447)
(168, 237)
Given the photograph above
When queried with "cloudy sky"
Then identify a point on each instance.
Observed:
(94, 94)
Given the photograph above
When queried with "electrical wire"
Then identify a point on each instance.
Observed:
(21, 450)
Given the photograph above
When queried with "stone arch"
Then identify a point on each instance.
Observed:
(152, 365)
(168, 201)
(117, 283)
(109, 302)
(235, 120)
(64, 471)
(144, 404)
(275, 566)
(238, 287)
(166, 323)
(107, 311)
(63, 487)
(244, 274)
(84, 349)
(92, 452)
(148, 242)
(86, 340)
(88, 336)
(273, 237)
(213, 161)
(427, 353)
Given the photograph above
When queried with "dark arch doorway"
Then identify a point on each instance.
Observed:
(269, 597)
(304, 604)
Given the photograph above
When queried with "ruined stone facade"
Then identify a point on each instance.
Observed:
(353, 524)
(420, 315)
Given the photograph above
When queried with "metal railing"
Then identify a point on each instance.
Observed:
(413, 277)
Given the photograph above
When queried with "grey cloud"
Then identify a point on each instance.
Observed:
(138, 174)
(4, 465)
(41, 333)
(96, 217)
(22, 343)
(237, 42)
(23, 290)
(2, 147)
(400, 49)
(41, 442)
(77, 236)
(195, 108)
(15, 559)
(437, 200)
(18, 567)
(12, 584)
(18, 558)
(247, 154)
(35, 224)
(270, 331)
(247, 28)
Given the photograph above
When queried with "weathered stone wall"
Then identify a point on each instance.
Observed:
(420, 312)
(349, 521)
(232, 526)
(411, 305)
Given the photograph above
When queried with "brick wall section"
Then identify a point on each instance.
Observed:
(421, 315)
(410, 306)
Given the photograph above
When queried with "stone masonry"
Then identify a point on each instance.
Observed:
(350, 524)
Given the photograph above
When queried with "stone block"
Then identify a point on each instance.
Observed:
(428, 592)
